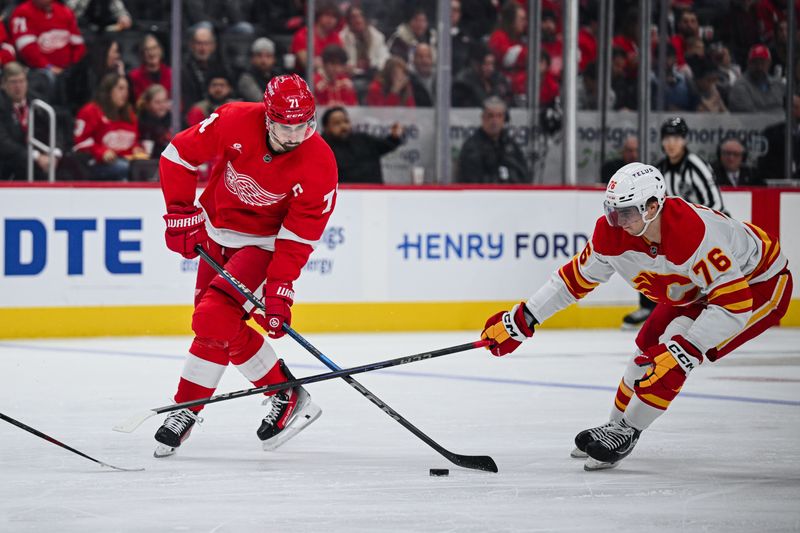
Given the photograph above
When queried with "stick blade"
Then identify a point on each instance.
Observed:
(130, 425)
(475, 462)
(120, 469)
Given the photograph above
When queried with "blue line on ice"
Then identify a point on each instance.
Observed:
(405, 373)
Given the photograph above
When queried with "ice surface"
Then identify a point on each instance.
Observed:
(725, 458)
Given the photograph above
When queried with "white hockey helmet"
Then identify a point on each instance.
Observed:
(629, 190)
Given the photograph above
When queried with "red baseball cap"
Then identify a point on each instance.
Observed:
(758, 51)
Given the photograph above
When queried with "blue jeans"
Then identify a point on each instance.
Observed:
(117, 170)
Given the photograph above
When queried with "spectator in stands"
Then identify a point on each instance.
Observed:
(154, 120)
(738, 29)
(491, 155)
(106, 130)
(14, 119)
(779, 50)
(101, 15)
(589, 90)
(30, 22)
(478, 18)
(552, 43)
(81, 81)
(731, 168)
(203, 59)
(7, 52)
(771, 164)
(279, 20)
(358, 155)
(332, 85)
(756, 91)
(392, 87)
(628, 154)
(587, 35)
(679, 94)
(687, 27)
(411, 33)
(218, 92)
(549, 88)
(625, 92)
(364, 43)
(627, 40)
(253, 81)
(480, 81)
(152, 69)
(460, 41)
(510, 47)
(729, 72)
(326, 25)
(694, 52)
(705, 84)
(423, 76)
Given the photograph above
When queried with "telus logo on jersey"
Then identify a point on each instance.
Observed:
(247, 190)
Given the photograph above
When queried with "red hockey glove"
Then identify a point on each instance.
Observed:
(507, 329)
(278, 300)
(184, 231)
(669, 364)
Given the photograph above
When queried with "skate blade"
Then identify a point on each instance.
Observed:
(592, 464)
(631, 327)
(162, 450)
(308, 414)
(576, 453)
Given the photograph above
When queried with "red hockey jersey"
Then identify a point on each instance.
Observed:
(254, 197)
(7, 52)
(47, 38)
(95, 133)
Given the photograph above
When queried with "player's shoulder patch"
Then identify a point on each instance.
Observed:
(611, 241)
(682, 230)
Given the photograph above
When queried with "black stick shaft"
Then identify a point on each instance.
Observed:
(50, 439)
(475, 462)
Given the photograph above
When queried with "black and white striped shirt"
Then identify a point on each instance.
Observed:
(693, 180)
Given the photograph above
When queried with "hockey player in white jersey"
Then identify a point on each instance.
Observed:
(717, 283)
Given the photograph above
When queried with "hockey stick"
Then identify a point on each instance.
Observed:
(135, 421)
(48, 438)
(477, 462)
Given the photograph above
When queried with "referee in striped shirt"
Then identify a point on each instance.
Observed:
(687, 175)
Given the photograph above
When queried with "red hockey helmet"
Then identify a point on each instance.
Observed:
(290, 110)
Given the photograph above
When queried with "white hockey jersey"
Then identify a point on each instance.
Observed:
(704, 257)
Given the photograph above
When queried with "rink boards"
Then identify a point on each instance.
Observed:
(92, 261)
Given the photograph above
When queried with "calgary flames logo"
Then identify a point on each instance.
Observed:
(666, 288)
(247, 190)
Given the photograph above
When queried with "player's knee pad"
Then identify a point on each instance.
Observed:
(217, 317)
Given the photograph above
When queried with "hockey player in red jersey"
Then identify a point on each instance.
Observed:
(717, 282)
(271, 191)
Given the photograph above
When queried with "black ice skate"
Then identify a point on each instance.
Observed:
(290, 412)
(635, 319)
(174, 431)
(585, 437)
(617, 442)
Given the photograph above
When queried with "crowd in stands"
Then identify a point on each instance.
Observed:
(102, 63)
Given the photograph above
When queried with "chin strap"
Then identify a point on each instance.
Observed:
(647, 222)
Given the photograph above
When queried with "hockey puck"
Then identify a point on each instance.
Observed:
(438, 472)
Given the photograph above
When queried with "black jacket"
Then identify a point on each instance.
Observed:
(771, 164)
(482, 160)
(14, 143)
(359, 156)
(748, 177)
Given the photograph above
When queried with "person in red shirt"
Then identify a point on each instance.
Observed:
(106, 129)
(510, 46)
(332, 85)
(46, 35)
(152, 69)
(266, 205)
(7, 52)
(392, 87)
(326, 32)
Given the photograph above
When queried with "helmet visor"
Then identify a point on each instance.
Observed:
(291, 135)
(618, 217)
